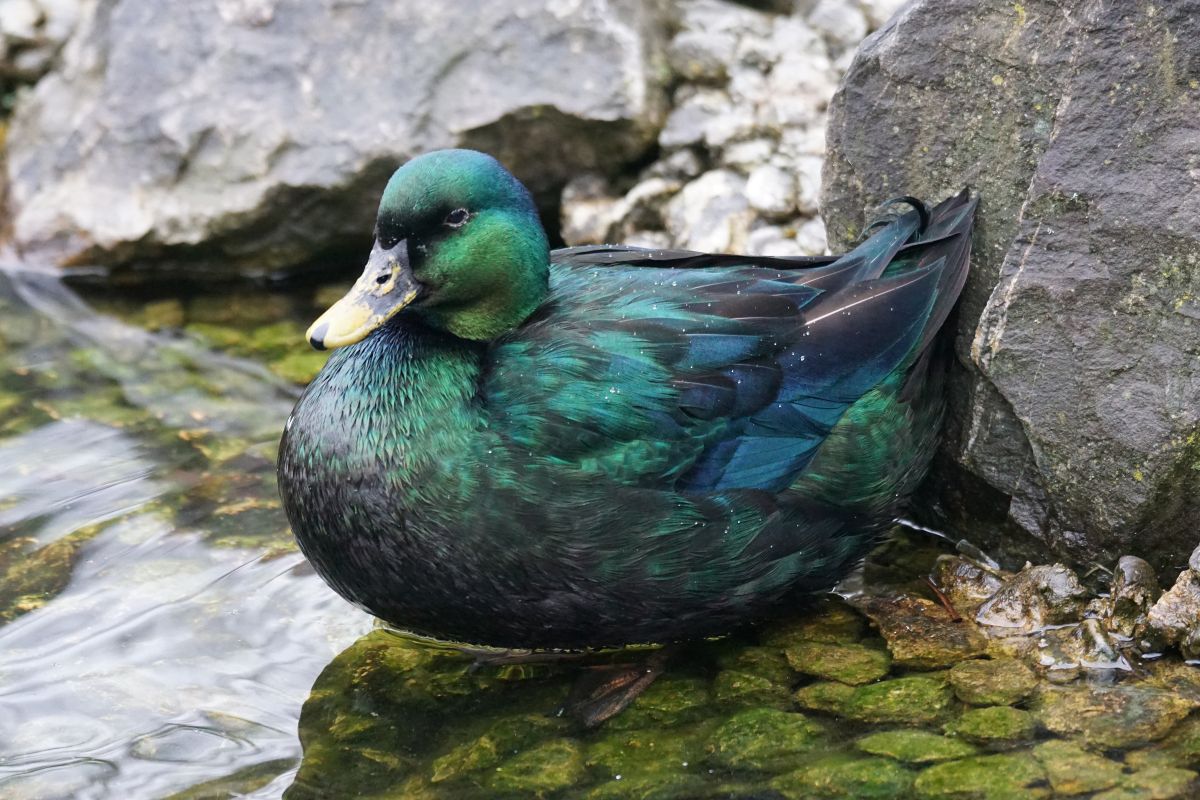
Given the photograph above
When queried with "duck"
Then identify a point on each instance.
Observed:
(518, 447)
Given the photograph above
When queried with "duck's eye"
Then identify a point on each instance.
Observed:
(388, 242)
(457, 217)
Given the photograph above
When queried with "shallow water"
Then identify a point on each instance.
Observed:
(161, 636)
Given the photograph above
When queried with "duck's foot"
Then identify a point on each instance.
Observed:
(604, 691)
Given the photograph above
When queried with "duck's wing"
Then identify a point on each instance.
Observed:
(722, 375)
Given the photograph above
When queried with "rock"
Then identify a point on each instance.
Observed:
(911, 700)
(880, 11)
(32, 33)
(915, 747)
(1176, 616)
(1194, 561)
(853, 664)
(1133, 591)
(765, 662)
(546, 768)
(741, 688)
(291, 159)
(841, 23)
(648, 763)
(1036, 597)
(828, 620)
(764, 739)
(771, 191)
(1081, 314)
(1073, 771)
(1118, 716)
(993, 726)
(1067, 652)
(810, 238)
(965, 582)
(992, 682)
(920, 633)
(845, 777)
(711, 214)
(670, 700)
(1153, 783)
(997, 777)
(497, 743)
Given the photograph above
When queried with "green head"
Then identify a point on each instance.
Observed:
(457, 242)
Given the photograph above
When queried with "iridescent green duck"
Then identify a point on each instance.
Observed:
(605, 445)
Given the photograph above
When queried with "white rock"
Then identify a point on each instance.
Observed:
(711, 213)
(842, 24)
(771, 191)
(810, 238)
(808, 183)
(745, 156)
(589, 212)
(688, 121)
(770, 240)
(19, 20)
(879, 11)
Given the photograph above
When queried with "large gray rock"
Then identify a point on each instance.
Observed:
(253, 134)
(1078, 418)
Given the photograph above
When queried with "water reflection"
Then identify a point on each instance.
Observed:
(141, 659)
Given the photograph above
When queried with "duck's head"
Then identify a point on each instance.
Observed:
(458, 242)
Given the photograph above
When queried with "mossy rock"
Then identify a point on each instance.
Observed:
(31, 579)
(242, 782)
(829, 621)
(498, 742)
(830, 697)
(915, 746)
(1121, 716)
(1072, 770)
(659, 787)
(1008, 776)
(920, 634)
(765, 662)
(539, 771)
(994, 725)
(299, 366)
(992, 682)
(745, 689)
(765, 739)
(1154, 783)
(670, 700)
(912, 700)
(847, 777)
(854, 664)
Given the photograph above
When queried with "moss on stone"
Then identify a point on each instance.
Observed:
(670, 700)
(994, 725)
(1119, 716)
(992, 682)
(828, 696)
(741, 688)
(1154, 783)
(854, 664)
(915, 746)
(539, 771)
(1072, 770)
(1008, 776)
(845, 776)
(828, 621)
(764, 739)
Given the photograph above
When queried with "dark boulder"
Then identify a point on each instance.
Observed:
(1076, 418)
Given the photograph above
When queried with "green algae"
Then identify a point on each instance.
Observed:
(746, 689)
(910, 700)
(992, 682)
(765, 739)
(1071, 770)
(993, 726)
(28, 580)
(844, 776)
(542, 770)
(1015, 776)
(1121, 716)
(242, 782)
(854, 664)
(1153, 783)
(915, 746)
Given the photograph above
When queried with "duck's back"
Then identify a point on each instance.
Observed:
(676, 443)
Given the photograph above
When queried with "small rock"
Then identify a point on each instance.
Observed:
(771, 191)
(711, 213)
(1153, 783)
(1134, 590)
(810, 238)
(670, 700)
(766, 662)
(1194, 561)
(841, 23)
(829, 620)
(808, 183)
(545, 768)
(828, 696)
(853, 664)
(746, 156)
(1176, 616)
(499, 741)
(842, 776)
(770, 240)
(966, 583)
(1119, 716)
(1072, 770)
(992, 682)
(912, 700)
(681, 165)
(589, 211)
(915, 747)
(1010, 775)
(741, 688)
(765, 739)
(920, 633)
(688, 120)
(879, 11)
(1034, 598)
(994, 725)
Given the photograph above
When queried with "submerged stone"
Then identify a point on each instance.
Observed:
(912, 700)
(995, 725)
(843, 776)
(920, 633)
(765, 662)
(992, 682)
(741, 688)
(915, 746)
(1133, 591)
(670, 700)
(1009, 776)
(1153, 783)
(847, 663)
(764, 739)
(828, 696)
(1119, 716)
(498, 742)
(1073, 771)
(1175, 618)
(828, 621)
(965, 583)
(1036, 597)
(541, 770)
